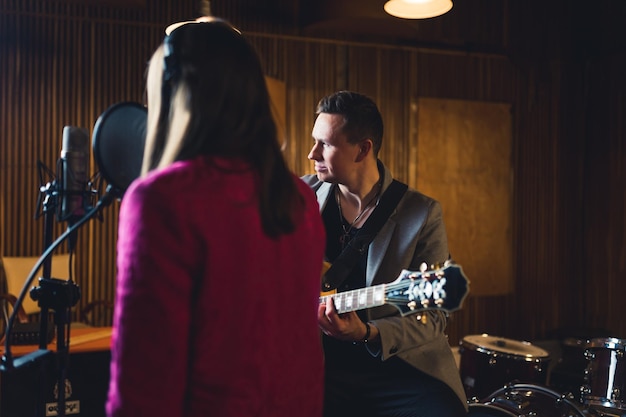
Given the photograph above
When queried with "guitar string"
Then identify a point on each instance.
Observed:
(386, 288)
(390, 285)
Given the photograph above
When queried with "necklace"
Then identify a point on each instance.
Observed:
(343, 239)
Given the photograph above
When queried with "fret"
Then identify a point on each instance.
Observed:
(362, 297)
(348, 298)
(359, 299)
(378, 295)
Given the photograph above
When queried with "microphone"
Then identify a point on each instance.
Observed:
(74, 174)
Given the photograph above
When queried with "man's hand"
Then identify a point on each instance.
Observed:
(347, 326)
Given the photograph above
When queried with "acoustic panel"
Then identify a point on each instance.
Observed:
(464, 161)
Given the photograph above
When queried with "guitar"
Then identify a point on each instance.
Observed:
(442, 288)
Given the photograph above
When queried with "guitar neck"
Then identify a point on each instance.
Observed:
(359, 299)
(413, 291)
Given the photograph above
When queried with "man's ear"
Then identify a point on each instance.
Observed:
(365, 148)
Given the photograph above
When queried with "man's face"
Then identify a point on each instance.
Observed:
(334, 157)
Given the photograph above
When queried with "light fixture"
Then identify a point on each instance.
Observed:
(417, 9)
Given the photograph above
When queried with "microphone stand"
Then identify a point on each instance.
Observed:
(55, 294)
(49, 206)
(58, 295)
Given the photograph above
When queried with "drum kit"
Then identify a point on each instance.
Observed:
(510, 378)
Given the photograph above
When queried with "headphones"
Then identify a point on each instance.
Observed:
(170, 61)
(171, 64)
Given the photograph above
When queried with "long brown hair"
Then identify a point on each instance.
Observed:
(207, 96)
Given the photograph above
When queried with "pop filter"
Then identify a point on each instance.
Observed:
(118, 140)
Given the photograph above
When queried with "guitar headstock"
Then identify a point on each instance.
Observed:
(441, 288)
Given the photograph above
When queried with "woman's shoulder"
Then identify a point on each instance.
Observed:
(161, 178)
(180, 179)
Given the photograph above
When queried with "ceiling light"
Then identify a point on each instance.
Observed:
(417, 9)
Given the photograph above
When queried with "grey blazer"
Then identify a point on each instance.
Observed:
(414, 233)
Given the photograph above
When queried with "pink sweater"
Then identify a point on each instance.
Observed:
(213, 318)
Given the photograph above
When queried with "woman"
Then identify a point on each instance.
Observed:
(220, 247)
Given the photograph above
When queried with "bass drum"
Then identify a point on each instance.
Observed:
(526, 400)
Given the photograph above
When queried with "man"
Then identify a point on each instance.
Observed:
(378, 363)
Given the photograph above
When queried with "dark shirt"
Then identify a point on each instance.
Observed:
(338, 353)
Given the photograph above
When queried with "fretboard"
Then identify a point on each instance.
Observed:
(357, 299)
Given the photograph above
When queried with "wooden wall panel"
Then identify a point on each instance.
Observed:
(66, 62)
(278, 98)
(604, 202)
(464, 161)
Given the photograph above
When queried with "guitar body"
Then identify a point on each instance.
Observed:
(325, 294)
(325, 267)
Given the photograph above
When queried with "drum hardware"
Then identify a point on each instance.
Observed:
(599, 412)
(597, 377)
(605, 376)
(568, 374)
(526, 400)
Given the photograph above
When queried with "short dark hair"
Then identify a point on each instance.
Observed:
(361, 115)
